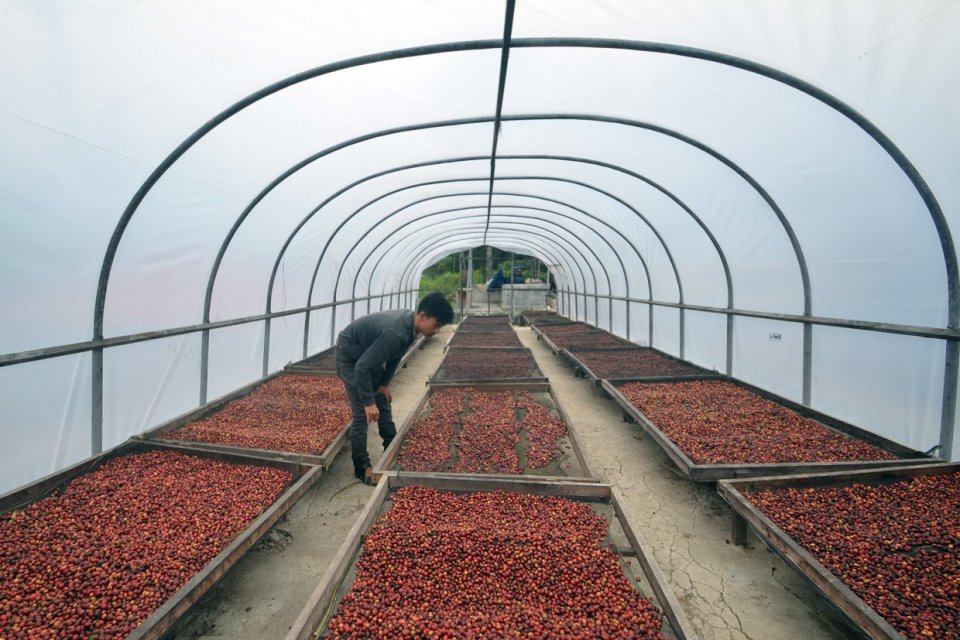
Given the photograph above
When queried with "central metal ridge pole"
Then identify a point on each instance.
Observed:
(504, 58)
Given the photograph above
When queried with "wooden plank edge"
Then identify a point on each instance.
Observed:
(213, 447)
(168, 613)
(392, 452)
(306, 624)
(334, 448)
(829, 585)
(658, 580)
(882, 474)
(515, 484)
(582, 457)
(36, 490)
(679, 458)
(714, 472)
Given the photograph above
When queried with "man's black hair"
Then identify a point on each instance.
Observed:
(434, 305)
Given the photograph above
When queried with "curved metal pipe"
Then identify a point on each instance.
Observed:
(545, 178)
(507, 238)
(952, 361)
(551, 211)
(568, 247)
(405, 270)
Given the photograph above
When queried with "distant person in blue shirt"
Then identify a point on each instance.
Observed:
(368, 354)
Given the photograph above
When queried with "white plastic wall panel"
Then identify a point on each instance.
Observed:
(266, 229)
(46, 418)
(666, 329)
(236, 358)
(705, 341)
(640, 324)
(160, 271)
(613, 144)
(342, 318)
(607, 208)
(619, 319)
(618, 83)
(890, 385)
(286, 341)
(620, 226)
(372, 206)
(60, 200)
(148, 383)
(769, 354)
(319, 338)
(260, 142)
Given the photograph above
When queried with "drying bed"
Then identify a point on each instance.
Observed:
(532, 318)
(494, 320)
(487, 327)
(629, 362)
(715, 429)
(121, 545)
(484, 339)
(490, 364)
(324, 362)
(437, 558)
(883, 546)
(297, 416)
(566, 327)
(594, 338)
(508, 430)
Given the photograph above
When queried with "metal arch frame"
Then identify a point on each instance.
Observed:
(448, 181)
(559, 262)
(447, 235)
(385, 253)
(952, 360)
(556, 265)
(489, 215)
(528, 242)
(460, 122)
(697, 144)
(559, 202)
(558, 247)
(410, 271)
(706, 229)
(542, 178)
(568, 246)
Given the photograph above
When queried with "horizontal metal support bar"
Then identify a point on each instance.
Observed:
(861, 325)
(82, 347)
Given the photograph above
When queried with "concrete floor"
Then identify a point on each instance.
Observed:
(727, 592)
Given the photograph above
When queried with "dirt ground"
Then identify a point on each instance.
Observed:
(727, 592)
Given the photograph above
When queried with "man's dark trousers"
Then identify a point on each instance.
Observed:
(358, 425)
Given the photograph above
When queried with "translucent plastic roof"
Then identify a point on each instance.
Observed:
(196, 193)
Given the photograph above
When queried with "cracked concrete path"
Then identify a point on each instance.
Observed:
(728, 593)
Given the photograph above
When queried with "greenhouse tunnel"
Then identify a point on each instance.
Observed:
(767, 190)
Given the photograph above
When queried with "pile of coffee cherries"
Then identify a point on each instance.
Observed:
(97, 558)
(490, 565)
(633, 363)
(467, 431)
(718, 422)
(292, 413)
(896, 545)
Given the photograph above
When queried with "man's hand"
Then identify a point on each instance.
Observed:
(373, 414)
(385, 391)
